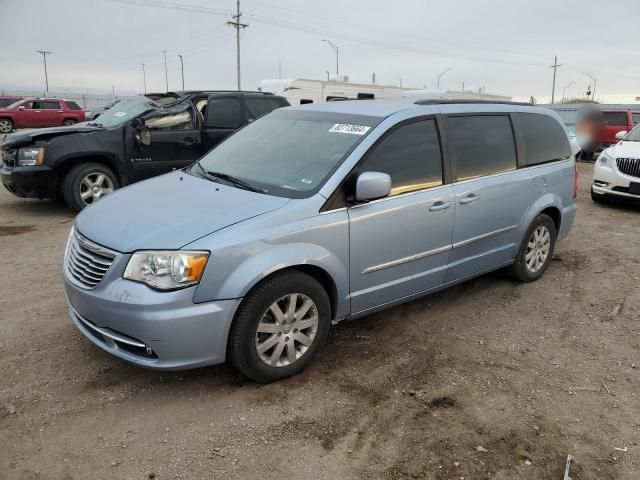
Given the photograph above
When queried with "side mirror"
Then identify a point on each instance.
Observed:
(621, 135)
(21, 107)
(142, 133)
(372, 185)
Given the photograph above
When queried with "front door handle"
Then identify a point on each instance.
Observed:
(189, 141)
(472, 197)
(439, 205)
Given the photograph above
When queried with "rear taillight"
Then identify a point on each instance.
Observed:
(575, 181)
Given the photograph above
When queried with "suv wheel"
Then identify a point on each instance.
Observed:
(86, 183)
(6, 125)
(536, 250)
(280, 326)
(69, 122)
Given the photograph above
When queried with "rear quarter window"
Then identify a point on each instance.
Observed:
(73, 106)
(636, 118)
(545, 139)
(615, 119)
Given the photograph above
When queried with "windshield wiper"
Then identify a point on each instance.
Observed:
(231, 179)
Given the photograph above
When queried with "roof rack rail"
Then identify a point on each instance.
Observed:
(461, 101)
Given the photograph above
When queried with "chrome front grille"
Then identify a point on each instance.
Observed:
(87, 263)
(629, 166)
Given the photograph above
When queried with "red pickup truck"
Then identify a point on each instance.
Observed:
(617, 121)
(40, 112)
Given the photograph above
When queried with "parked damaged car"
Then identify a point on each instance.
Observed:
(136, 139)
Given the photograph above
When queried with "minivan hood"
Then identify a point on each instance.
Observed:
(24, 137)
(169, 212)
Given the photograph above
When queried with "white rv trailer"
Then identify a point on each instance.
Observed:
(301, 90)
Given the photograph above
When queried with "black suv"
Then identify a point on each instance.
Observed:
(136, 139)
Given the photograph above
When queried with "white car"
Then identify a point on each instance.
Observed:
(616, 174)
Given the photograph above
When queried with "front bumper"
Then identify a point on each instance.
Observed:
(30, 182)
(612, 184)
(152, 329)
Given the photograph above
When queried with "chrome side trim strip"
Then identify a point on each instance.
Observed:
(412, 258)
(483, 236)
(108, 333)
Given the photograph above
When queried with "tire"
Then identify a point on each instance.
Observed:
(6, 125)
(82, 179)
(286, 355)
(531, 269)
(69, 122)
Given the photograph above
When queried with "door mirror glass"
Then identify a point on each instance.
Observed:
(621, 135)
(372, 185)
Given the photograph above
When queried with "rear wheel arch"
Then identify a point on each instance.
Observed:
(555, 214)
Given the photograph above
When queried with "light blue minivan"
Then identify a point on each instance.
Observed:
(311, 215)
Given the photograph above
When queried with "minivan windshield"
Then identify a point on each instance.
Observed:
(123, 111)
(289, 153)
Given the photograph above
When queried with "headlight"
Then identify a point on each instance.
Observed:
(166, 270)
(30, 156)
(604, 160)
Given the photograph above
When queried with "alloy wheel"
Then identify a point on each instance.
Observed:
(5, 126)
(94, 186)
(538, 248)
(286, 330)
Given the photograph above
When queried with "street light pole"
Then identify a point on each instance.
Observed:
(440, 76)
(144, 79)
(44, 54)
(182, 69)
(335, 48)
(565, 89)
(166, 75)
(595, 81)
(113, 91)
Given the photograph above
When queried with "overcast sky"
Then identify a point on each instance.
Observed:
(505, 45)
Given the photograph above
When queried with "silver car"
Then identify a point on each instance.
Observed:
(311, 215)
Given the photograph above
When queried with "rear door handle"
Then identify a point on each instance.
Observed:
(472, 197)
(439, 205)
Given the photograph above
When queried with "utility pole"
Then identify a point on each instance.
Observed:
(113, 91)
(166, 76)
(182, 69)
(144, 79)
(555, 67)
(595, 81)
(373, 78)
(44, 54)
(335, 48)
(238, 25)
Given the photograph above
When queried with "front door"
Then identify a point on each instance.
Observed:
(175, 143)
(400, 245)
(491, 194)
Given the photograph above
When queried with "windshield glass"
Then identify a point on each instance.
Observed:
(15, 104)
(633, 135)
(288, 153)
(124, 111)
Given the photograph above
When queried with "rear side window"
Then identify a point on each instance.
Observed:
(259, 106)
(411, 155)
(615, 119)
(224, 113)
(545, 139)
(73, 106)
(49, 105)
(481, 145)
(636, 118)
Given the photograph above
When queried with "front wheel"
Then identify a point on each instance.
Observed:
(69, 122)
(6, 125)
(536, 250)
(280, 327)
(86, 183)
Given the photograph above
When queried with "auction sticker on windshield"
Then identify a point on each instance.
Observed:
(348, 128)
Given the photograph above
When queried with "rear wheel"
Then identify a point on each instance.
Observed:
(6, 125)
(280, 327)
(536, 250)
(86, 183)
(68, 122)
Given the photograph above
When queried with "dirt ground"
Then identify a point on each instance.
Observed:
(490, 379)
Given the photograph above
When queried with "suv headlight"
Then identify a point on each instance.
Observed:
(166, 269)
(604, 160)
(28, 157)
